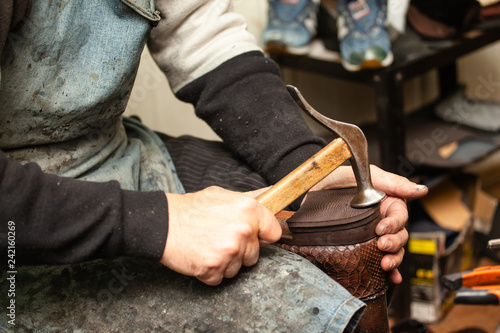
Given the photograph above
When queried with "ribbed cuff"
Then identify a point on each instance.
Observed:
(145, 222)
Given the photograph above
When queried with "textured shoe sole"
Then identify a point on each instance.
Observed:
(368, 64)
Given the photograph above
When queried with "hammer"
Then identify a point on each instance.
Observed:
(350, 144)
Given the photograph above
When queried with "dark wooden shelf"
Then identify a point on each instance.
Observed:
(412, 57)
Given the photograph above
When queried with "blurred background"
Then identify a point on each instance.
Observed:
(153, 101)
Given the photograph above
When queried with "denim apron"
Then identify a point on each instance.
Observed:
(66, 78)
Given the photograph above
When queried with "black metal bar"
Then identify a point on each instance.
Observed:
(448, 79)
(429, 57)
(388, 81)
(389, 103)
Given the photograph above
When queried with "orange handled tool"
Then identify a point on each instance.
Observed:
(481, 276)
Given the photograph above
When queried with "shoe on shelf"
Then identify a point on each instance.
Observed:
(291, 26)
(362, 32)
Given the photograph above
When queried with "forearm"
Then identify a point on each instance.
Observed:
(245, 101)
(61, 220)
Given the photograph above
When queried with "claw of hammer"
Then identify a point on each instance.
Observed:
(351, 144)
(356, 140)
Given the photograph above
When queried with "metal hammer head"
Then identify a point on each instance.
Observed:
(355, 139)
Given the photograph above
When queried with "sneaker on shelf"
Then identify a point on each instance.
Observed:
(362, 32)
(291, 26)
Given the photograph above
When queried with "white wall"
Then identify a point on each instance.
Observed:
(152, 100)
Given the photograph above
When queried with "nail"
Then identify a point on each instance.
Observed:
(382, 229)
(393, 263)
(387, 245)
(421, 188)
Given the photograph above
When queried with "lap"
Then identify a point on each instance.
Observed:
(283, 292)
(200, 163)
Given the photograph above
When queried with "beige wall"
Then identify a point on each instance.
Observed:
(155, 104)
(152, 100)
(481, 73)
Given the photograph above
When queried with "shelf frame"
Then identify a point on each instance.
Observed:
(388, 82)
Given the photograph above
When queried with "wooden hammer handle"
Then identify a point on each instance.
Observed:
(305, 176)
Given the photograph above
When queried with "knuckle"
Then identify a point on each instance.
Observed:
(405, 235)
(402, 238)
(251, 257)
(248, 204)
(230, 248)
(244, 230)
(230, 274)
(213, 188)
(212, 263)
(404, 217)
(212, 281)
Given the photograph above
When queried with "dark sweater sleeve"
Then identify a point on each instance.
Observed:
(61, 220)
(246, 103)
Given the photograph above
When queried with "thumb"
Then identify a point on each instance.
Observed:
(269, 227)
(269, 231)
(395, 185)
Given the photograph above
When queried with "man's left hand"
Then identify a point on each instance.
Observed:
(391, 229)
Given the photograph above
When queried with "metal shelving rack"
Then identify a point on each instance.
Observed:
(413, 57)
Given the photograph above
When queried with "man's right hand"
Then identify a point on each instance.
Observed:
(213, 232)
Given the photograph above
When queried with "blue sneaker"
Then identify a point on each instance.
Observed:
(291, 25)
(362, 33)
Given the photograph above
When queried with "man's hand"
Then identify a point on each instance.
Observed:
(213, 232)
(391, 229)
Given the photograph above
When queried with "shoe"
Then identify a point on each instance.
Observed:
(291, 25)
(364, 41)
(342, 242)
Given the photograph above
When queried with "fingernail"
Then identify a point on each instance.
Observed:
(421, 188)
(382, 229)
(387, 245)
(393, 264)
